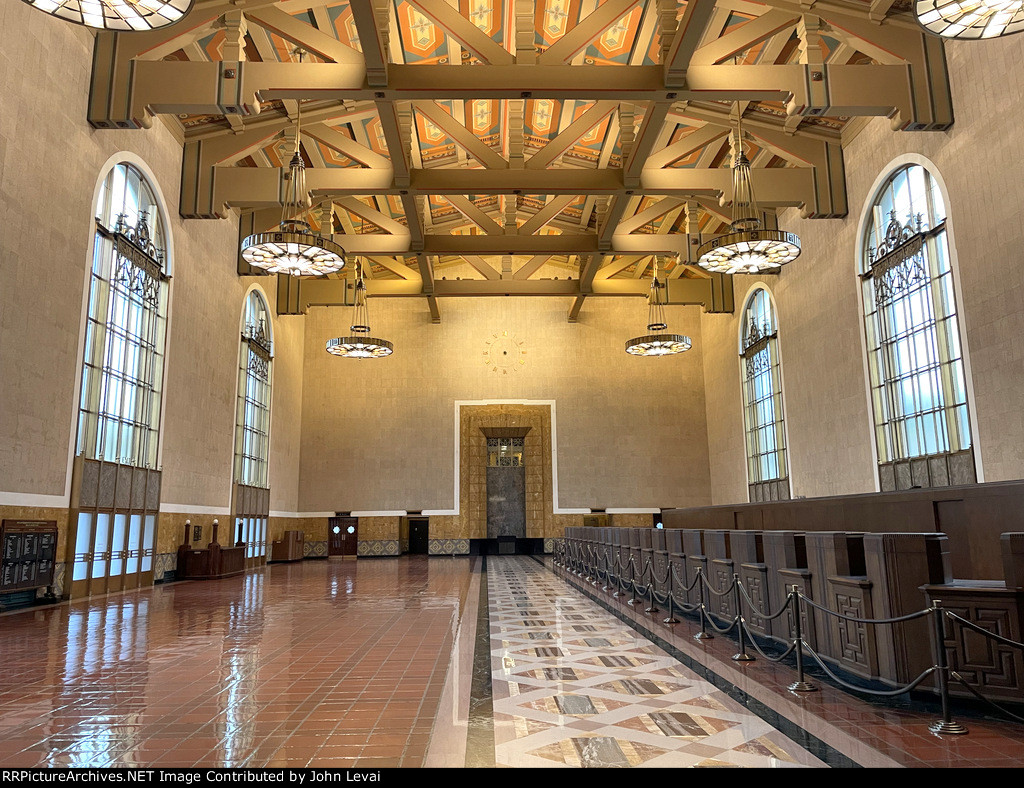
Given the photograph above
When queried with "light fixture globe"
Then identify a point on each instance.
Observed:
(118, 15)
(749, 252)
(359, 346)
(658, 345)
(748, 249)
(971, 19)
(293, 249)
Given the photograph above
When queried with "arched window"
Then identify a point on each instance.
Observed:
(767, 467)
(252, 429)
(916, 360)
(117, 445)
(122, 379)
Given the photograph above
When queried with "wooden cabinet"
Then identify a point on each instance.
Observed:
(288, 547)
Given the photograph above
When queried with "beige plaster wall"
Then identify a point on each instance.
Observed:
(630, 432)
(50, 161)
(820, 318)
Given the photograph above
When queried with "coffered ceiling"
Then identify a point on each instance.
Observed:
(513, 141)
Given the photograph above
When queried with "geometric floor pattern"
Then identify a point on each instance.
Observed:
(573, 686)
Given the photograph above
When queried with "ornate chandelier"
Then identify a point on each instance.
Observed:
(748, 249)
(656, 344)
(124, 15)
(360, 344)
(971, 18)
(292, 248)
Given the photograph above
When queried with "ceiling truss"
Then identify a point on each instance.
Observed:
(509, 139)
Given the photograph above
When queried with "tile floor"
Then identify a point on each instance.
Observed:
(417, 662)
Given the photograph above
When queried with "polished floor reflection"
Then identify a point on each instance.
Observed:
(315, 663)
(423, 662)
(574, 686)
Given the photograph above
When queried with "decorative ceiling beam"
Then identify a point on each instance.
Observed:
(743, 37)
(257, 187)
(585, 31)
(126, 97)
(650, 131)
(463, 137)
(475, 214)
(482, 267)
(371, 19)
(346, 146)
(303, 293)
(566, 139)
(544, 216)
(531, 266)
(687, 38)
(464, 31)
(305, 36)
(693, 141)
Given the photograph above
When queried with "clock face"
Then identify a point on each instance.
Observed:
(504, 353)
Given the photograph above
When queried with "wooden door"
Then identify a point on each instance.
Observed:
(342, 537)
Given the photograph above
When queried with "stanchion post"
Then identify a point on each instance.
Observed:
(633, 599)
(671, 619)
(741, 655)
(800, 685)
(703, 634)
(652, 608)
(946, 724)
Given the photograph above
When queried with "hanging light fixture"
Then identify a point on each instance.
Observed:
(748, 249)
(126, 15)
(657, 344)
(360, 344)
(971, 19)
(292, 248)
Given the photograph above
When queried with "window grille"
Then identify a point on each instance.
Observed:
(917, 377)
(505, 452)
(252, 436)
(767, 468)
(119, 410)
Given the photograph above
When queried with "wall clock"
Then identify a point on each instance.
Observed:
(504, 353)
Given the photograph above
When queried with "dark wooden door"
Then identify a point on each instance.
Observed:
(419, 538)
(343, 536)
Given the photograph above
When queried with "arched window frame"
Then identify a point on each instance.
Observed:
(251, 474)
(764, 420)
(914, 254)
(117, 446)
(252, 413)
(121, 399)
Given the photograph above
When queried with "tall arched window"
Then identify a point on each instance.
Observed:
(252, 429)
(117, 445)
(767, 466)
(916, 360)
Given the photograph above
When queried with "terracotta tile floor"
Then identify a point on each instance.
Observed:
(389, 662)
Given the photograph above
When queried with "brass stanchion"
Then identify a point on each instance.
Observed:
(652, 608)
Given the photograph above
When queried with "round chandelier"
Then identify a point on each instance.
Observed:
(657, 344)
(748, 249)
(120, 15)
(360, 344)
(292, 248)
(971, 19)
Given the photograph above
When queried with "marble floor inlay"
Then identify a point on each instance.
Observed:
(574, 686)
